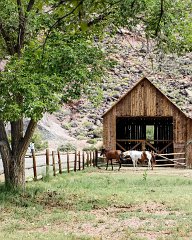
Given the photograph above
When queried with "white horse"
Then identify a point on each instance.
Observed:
(141, 156)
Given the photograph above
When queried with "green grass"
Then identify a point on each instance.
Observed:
(60, 208)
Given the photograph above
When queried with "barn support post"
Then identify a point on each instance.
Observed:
(188, 154)
(143, 145)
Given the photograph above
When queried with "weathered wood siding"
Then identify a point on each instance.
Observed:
(189, 143)
(147, 101)
(109, 130)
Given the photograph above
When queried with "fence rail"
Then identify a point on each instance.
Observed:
(175, 161)
(38, 165)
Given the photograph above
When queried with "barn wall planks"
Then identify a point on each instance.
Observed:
(189, 142)
(109, 130)
(145, 100)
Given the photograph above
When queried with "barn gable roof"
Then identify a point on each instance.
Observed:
(138, 83)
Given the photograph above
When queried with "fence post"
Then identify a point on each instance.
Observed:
(96, 157)
(47, 162)
(34, 165)
(87, 160)
(59, 163)
(79, 156)
(83, 156)
(93, 159)
(68, 167)
(53, 157)
(75, 161)
(90, 153)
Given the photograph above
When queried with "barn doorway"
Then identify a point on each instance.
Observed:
(145, 133)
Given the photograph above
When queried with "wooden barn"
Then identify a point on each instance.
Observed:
(145, 119)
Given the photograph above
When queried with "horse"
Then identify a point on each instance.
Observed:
(112, 154)
(141, 156)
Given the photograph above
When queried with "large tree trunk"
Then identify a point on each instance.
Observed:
(14, 157)
(14, 171)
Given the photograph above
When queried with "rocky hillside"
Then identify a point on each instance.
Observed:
(80, 123)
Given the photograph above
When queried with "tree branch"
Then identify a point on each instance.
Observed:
(98, 19)
(30, 5)
(58, 22)
(27, 137)
(3, 136)
(21, 30)
(160, 17)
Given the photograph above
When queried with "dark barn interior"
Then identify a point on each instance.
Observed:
(145, 133)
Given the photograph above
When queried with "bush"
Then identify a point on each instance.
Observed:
(98, 132)
(67, 147)
(66, 126)
(39, 143)
(89, 148)
(91, 141)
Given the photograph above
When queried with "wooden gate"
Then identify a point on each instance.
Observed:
(145, 145)
(172, 159)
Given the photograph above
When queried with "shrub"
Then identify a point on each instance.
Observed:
(87, 124)
(98, 132)
(67, 147)
(66, 126)
(81, 137)
(91, 141)
(89, 148)
(39, 143)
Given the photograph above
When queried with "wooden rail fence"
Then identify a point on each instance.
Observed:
(173, 159)
(54, 162)
(63, 162)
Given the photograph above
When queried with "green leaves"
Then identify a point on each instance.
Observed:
(42, 78)
(69, 63)
(169, 22)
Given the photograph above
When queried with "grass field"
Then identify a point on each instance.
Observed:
(99, 204)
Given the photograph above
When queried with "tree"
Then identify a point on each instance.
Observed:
(51, 55)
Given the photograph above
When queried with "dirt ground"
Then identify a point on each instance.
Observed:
(163, 171)
(109, 223)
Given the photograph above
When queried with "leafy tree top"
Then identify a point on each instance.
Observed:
(51, 48)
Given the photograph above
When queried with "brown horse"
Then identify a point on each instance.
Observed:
(112, 154)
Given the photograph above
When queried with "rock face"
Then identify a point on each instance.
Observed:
(134, 59)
